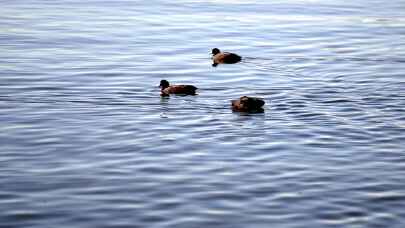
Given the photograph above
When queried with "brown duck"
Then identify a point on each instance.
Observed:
(248, 104)
(219, 57)
(166, 89)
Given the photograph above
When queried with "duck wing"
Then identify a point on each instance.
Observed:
(183, 89)
(231, 58)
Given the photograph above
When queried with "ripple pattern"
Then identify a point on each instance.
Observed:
(86, 140)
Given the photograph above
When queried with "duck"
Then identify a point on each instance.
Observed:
(166, 89)
(248, 104)
(219, 57)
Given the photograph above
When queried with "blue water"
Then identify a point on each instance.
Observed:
(86, 140)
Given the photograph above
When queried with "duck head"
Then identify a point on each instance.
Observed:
(164, 84)
(215, 51)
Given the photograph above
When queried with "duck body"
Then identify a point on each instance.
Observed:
(167, 89)
(248, 104)
(219, 57)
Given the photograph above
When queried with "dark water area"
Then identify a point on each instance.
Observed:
(86, 140)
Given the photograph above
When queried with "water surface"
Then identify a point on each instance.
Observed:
(86, 140)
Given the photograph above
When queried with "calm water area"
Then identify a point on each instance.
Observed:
(86, 140)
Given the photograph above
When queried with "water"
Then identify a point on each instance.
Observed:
(86, 140)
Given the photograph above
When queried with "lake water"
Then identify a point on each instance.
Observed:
(86, 140)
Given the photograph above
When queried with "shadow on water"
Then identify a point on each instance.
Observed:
(259, 112)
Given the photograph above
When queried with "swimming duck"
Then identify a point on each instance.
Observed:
(224, 57)
(248, 104)
(167, 89)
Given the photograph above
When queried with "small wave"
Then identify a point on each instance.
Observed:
(325, 59)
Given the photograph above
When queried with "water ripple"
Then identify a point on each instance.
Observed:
(86, 140)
